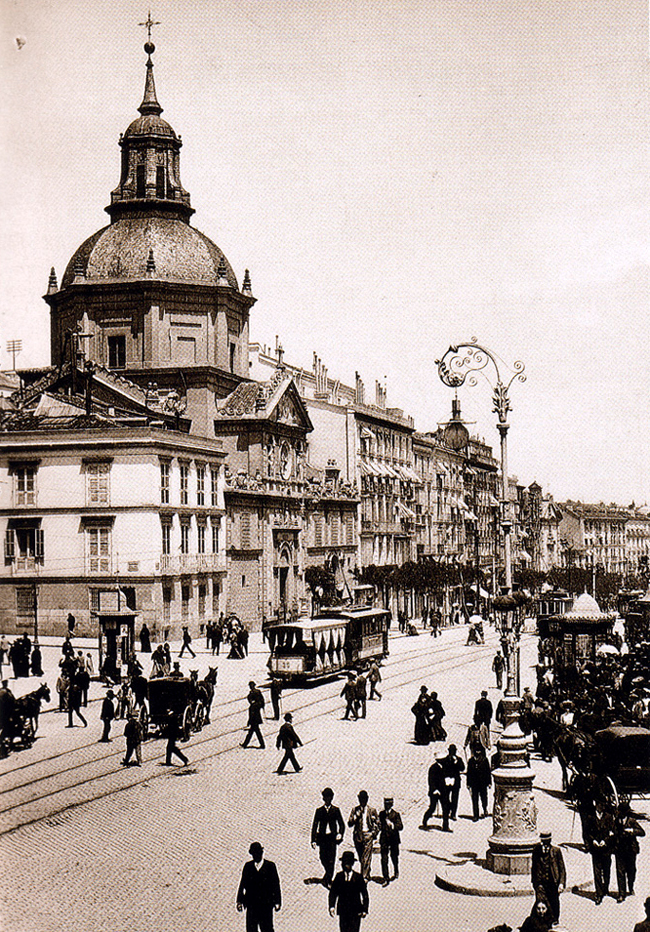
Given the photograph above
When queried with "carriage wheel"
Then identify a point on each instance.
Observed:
(187, 722)
(144, 722)
(199, 717)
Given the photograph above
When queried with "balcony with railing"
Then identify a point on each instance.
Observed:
(177, 564)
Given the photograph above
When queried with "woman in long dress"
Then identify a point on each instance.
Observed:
(421, 710)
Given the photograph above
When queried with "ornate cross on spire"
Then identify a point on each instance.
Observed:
(149, 23)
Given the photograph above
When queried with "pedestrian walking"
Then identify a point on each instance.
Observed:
(4, 649)
(479, 778)
(217, 636)
(498, 666)
(478, 736)
(548, 874)
(435, 781)
(348, 896)
(145, 639)
(374, 677)
(599, 839)
(484, 709)
(361, 694)
(208, 635)
(349, 693)
(172, 733)
(74, 701)
(255, 706)
(107, 714)
(390, 826)
(436, 622)
(133, 735)
(327, 831)
(259, 891)
(436, 715)
(37, 661)
(7, 710)
(422, 712)
(626, 848)
(452, 767)
(275, 690)
(187, 642)
(89, 664)
(62, 684)
(364, 823)
(72, 621)
(288, 739)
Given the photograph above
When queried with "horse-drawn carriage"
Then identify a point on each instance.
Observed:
(19, 719)
(187, 697)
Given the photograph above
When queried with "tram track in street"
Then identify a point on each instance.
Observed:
(448, 658)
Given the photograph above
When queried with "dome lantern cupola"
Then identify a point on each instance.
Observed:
(150, 183)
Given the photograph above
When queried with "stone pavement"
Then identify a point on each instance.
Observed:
(169, 850)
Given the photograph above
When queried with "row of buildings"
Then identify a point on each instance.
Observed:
(164, 454)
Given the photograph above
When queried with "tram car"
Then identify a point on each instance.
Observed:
(335, 640)
(549, 605)
(636, 612)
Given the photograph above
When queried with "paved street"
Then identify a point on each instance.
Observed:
(142, 850)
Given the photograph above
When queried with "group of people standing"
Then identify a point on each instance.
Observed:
(355, 691)
(429, 713)
(25, 659)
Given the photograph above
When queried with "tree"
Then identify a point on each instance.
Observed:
(322, 584)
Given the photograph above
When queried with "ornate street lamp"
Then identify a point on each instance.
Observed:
(515, 813)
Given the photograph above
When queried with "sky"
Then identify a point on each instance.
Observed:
(397, 176)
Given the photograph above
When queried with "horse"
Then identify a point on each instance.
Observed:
(205, 691)
(29, 706)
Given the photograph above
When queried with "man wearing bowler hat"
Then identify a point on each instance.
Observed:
(327, 832)
(259, 891)
(348, 897)
(548, 873)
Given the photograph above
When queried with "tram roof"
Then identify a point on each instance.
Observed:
(311, 624)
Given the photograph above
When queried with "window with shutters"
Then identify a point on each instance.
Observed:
(97, 483)
(349, 529)
(98, 549)
(245, 530)
(165, 469)
(200, 485)
(25, 485)
(318, 530)
(334, 529)
(185, 482)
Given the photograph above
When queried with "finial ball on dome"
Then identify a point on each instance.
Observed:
(149, 48)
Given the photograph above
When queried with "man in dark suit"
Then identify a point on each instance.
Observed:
(348, 896)
(390, 826)
(548, 873)
(327, 832)
(259, 891)
(255, 706)
(483, 707)
(452, 768)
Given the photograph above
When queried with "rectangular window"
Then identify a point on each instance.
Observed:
(216, 529)
(98, 549)
(318, 530)
(216, 594)
(117, 351)
(25, 485)
(200, 530)
(233, 350)
(200, 485)
(201, 599)
(160, 181)
(97, 483)
(185, 538)
(166, 538)
(185, 481)
(25, 601)
(185, 602)
(164, 483)
(167, 596)
(214, 480)
(93, 600)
